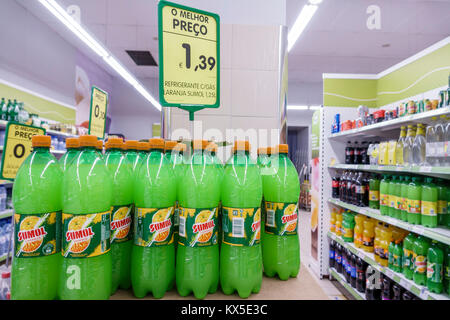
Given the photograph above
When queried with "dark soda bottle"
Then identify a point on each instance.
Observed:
(343, 187)
(335, 187)
(353, 271)
(357, 154)
(350, 185)
(366, 181)
(372, 284)
(360, 275)
(397, 292)
(364, 156)
(359, 190)
(349, 153)
(338, 257)
(386, 293)
(408, 296)
(331, 255)
(348, 275)
(344, 262)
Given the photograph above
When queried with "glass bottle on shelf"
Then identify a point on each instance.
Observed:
(399, 146)
(439, 130)
(418, 149)
(430, 149)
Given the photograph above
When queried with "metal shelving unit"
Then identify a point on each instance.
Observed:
(439, 234)
(7, 213)
(399, 169)
(340, 278)
(420, 291)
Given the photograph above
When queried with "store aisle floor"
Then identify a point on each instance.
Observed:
(305, 248)
(305, 287)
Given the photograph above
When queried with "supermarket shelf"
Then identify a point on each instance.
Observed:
(374, 129)
(340, 278)
(439, 234)
(439, 171)
(7, 213)
(420, 291)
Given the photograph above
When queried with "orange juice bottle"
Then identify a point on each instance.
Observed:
(338, 227)
(368, 235)
(376, 242)
(386, 237)
(359, 230)
(333, 220)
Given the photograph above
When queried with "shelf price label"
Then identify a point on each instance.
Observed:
(189, 57)
(97, 118)
(17, 147)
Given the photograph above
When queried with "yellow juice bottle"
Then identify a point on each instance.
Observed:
(338, 226)
(359, 230)
(386, 236)
(333, 220)
(376, 241)
(368, 235)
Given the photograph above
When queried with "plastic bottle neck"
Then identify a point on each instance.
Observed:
(41, 149)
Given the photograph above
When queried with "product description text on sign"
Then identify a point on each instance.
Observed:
(97, 120)
(189, 56)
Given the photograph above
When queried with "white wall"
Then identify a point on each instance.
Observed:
(33, 56)
(305, 93)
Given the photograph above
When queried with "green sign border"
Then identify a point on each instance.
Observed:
(90, 109)
(187, 107)
(6, 141)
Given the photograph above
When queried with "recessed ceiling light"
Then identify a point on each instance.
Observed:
(300, 24)
(315, 1)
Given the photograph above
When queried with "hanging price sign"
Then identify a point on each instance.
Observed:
(17, 147)
(97, 119)
(189, 57)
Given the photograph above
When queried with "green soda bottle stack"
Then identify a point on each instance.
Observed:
(153, 253)
(109, 221)
(281, 188)
(241, 256)
(37, 221)
(122, 213)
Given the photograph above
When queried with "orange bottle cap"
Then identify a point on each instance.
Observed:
(262, 151)
(88, 141)
(99, 144)
(131, 145)
(241, 145)
(114, 143)
(200, 144)
(156, 143)
(143, 146)
(41, 141)
(180, 147)
(282, 148)
(72, 143)
(170, 145)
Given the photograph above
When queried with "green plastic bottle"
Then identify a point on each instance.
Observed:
(404, 198)
(281, 248)
(374, 192)
(121, 215)
(408, 255)
(86, 271)
(153, 252)
(447, 216)
(73, 147)
(429, 216)
(420, 252)
(384, 195)
(435, 268)
(414, 200)
(392, 191)
(197, 262)
(37, 205)
(397, 259)
(131, 153)
(348, 226)
(262, 159)
(241, 256)
(443, 192)
(398, 198)
(447, 270)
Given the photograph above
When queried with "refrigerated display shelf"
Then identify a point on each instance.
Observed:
(440, 234)
(404, 169)
(340, 278)
(373, 129)
(6, 214)
(419, 291)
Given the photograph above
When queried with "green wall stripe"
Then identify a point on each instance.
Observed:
(349, 92)
(42, 107)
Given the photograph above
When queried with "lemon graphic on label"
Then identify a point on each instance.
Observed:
(77, 224)
(28, 224)
(290, 210)
(203, 217)
(119, 215)
(160, 216)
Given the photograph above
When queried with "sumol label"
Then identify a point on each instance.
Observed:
(241, 226)
(153, 226)
(198, 227)
(281, 218)
(37, 235)
(121, 223)
(86, 235)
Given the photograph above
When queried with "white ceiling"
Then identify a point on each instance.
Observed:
(335, 41)
(338, 41)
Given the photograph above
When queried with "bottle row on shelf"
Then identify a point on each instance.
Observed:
(406, 108)
(418, 258)
(410, 198)
(363, 277)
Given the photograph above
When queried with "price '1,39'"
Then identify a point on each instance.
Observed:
(205, 62)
